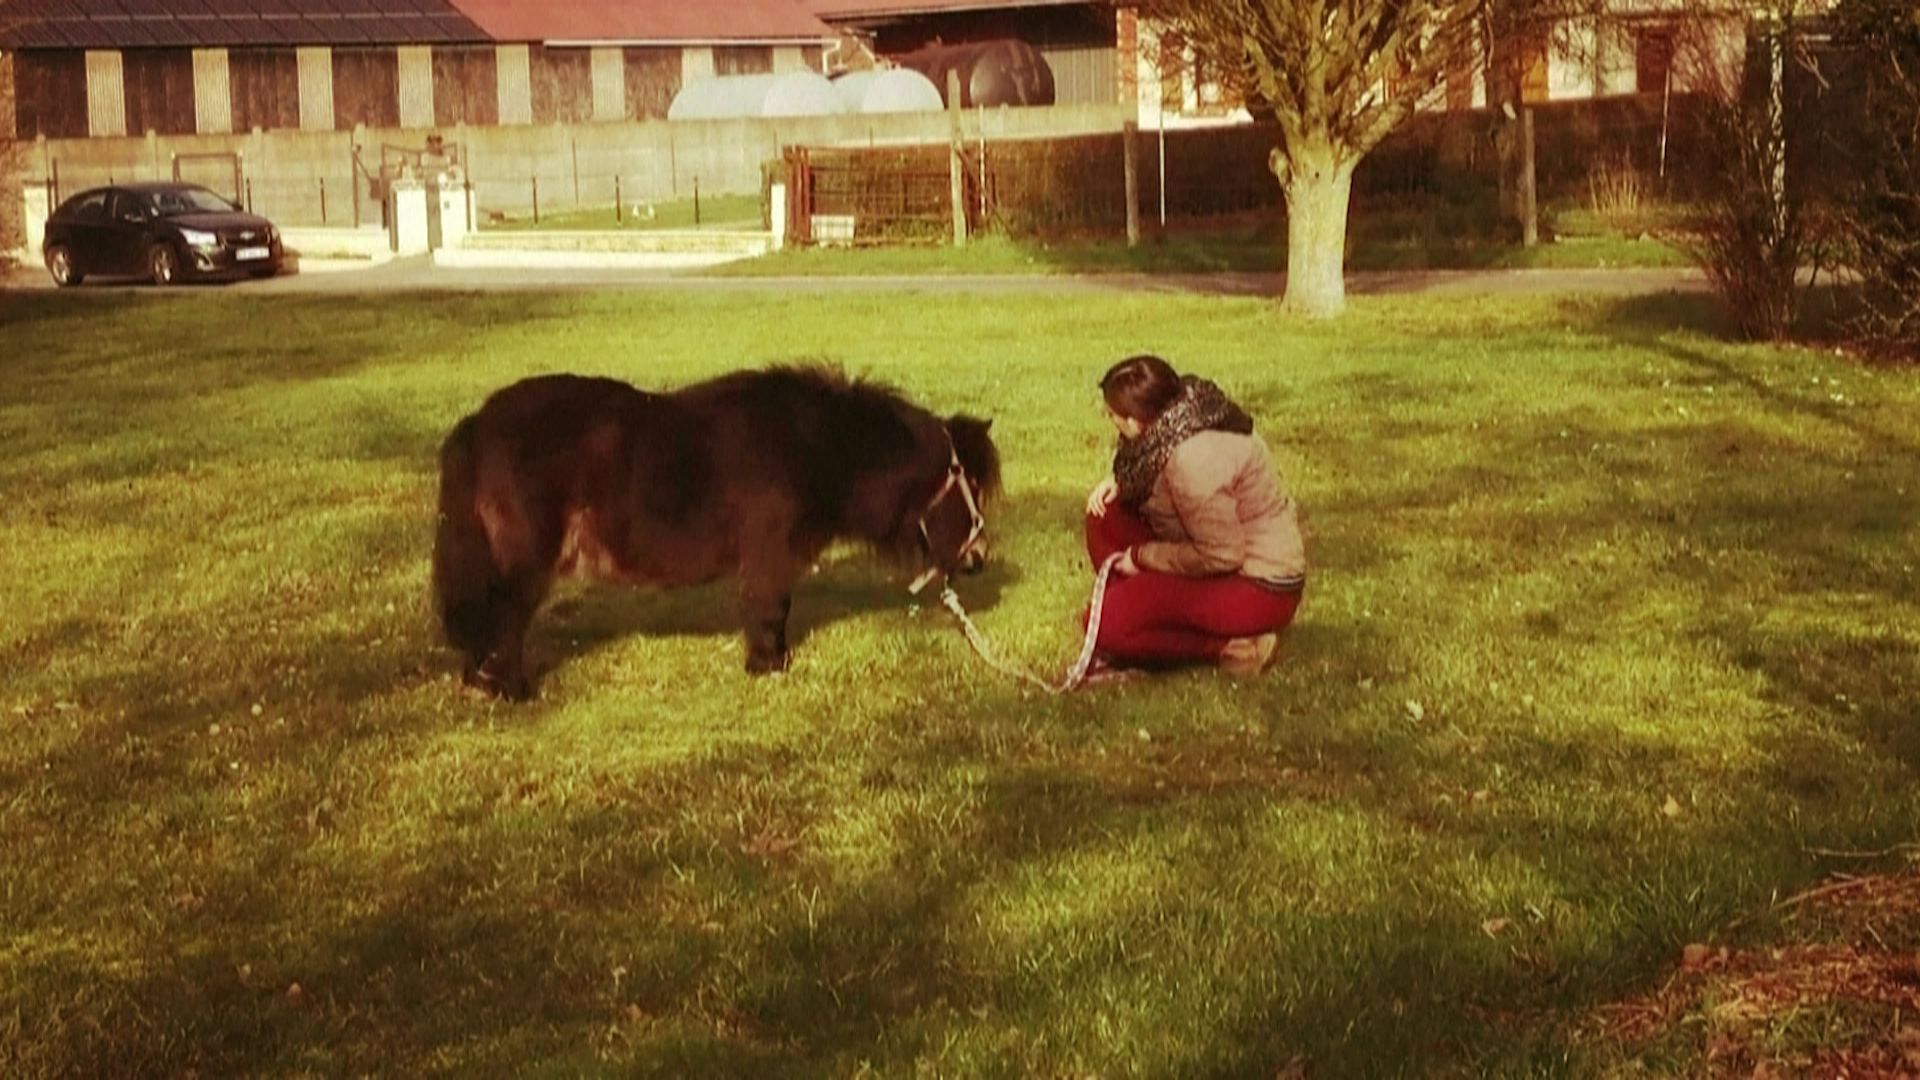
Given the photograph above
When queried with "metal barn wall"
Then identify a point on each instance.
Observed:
(50, 94)
(158, 84)
(366, 87)
(742, 59)
(465, 85)
(562, 85)
(1084, 74)
(265, 87)
(653, 78)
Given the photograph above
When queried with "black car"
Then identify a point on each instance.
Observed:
(165, 232)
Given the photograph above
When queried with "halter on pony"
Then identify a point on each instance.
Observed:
(1081, 671)
(956, 478)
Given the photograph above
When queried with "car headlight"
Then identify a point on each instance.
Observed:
(199, 239)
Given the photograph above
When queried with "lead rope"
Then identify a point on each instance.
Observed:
(1076, 676)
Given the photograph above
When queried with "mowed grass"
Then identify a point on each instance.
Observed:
(1610, 624)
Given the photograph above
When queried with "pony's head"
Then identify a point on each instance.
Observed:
(953, 526)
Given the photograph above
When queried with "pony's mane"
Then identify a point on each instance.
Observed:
(969, 435)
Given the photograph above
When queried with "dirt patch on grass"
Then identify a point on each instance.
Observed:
(1838, 998)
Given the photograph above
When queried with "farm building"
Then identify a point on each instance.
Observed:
(104, 68)
(1080, 40)
(83, 68)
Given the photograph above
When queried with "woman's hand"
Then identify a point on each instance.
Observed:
(1102, 497)
(1126, 567)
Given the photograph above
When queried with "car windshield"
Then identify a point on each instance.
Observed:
(188, 201)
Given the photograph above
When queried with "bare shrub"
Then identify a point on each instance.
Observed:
(1759, 224)
(1614, 187)
(1878, 204)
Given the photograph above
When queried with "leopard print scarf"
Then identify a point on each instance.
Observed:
(1202, 406)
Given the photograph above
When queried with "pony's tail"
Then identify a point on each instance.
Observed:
(466, 581)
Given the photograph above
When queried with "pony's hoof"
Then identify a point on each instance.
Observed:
(767, 665)
(514, 688)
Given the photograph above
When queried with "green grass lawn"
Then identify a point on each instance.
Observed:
(713, 212)
(1610, 623)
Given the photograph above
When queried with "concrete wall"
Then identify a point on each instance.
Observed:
(575, 164)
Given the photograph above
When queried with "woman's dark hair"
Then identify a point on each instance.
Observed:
(1141, 387)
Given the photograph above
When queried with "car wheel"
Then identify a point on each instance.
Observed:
(162, 267)
(60, 265)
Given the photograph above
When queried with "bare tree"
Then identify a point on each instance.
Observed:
(1338, 76)
(12, 153)
(1878, 199)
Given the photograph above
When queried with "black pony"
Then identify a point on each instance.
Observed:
(752, 474)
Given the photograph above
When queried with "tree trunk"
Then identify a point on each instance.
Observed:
(1319, 187)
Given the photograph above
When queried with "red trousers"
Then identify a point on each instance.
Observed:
(1153, 618)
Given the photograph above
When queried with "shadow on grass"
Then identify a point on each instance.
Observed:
(849, 582)
(1662, 324)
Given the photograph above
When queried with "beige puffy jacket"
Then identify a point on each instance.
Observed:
(1220, 507)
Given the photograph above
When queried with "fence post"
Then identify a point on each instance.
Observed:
(619, 214)
(956, 166)
(980, 112)
(323, 201)
(1129, 135)
(802, 196)
(696, 200)
(1529, 195)
(536, 199)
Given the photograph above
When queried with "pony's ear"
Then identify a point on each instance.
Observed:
(975, 447)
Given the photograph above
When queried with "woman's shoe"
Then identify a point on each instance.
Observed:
(1247, 657)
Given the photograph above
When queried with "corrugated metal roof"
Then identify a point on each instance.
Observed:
(646, 20)
(854, 10)
(132, 24)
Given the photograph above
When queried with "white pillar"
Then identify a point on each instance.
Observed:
(777, 214)
(696, 62)
(789, 58)
(315, 70)
(609, 67)
(453, 208)
(33, 215)
(513, 83)
(415, 64)
(212, 92)
(408, 229)
(106, 93)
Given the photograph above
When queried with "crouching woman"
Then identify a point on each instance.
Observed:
(1211, 563)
